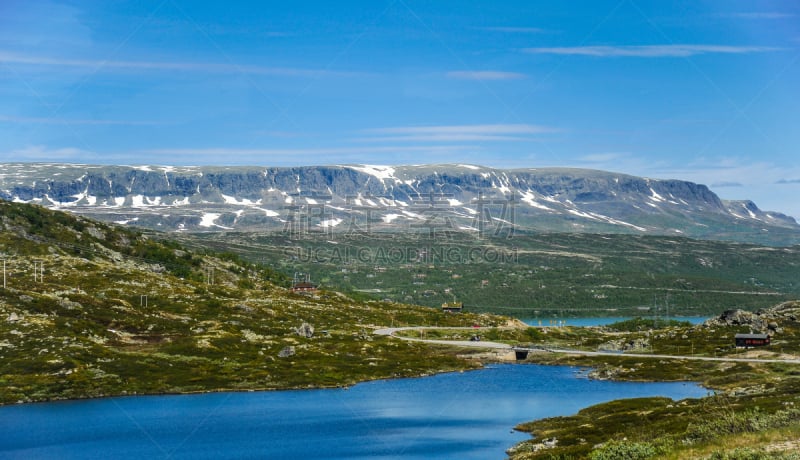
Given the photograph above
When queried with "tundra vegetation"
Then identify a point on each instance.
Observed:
(532, 275)
(92, 310)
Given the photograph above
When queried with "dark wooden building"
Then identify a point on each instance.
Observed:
(751, 340)
(302, 283)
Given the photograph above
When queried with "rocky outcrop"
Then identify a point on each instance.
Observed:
(287, 352)
(305, 330)
(639, 344)
(764, 321)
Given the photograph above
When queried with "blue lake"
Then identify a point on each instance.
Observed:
(458, 415)
(601, 321)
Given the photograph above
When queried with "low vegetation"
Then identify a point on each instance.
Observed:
(93, 310)
(533, 275)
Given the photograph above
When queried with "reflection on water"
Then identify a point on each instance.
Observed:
(465, 415)
(594, 321)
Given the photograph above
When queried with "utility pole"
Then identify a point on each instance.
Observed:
(38, 271)
(143, 301)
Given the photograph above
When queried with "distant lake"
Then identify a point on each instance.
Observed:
(584, 322)
(457, 415)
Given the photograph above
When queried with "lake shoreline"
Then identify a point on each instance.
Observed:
(490, 402)
(469, 356)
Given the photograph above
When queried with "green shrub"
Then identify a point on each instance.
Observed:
(752, 454)
(727, 422)
(624, 450)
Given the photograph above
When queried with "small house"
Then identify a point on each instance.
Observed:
(303, 284)
(452, 307)
(751, 340)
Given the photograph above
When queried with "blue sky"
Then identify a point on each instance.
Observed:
(707, 91)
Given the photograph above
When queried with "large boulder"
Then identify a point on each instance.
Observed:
(287, 352)
(305, 330)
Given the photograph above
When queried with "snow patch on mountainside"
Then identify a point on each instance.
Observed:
(141, 201)
(243, 202)
(329, 223)
(602, 218)
(209, 220)
(379, 171)
(529, 198)
(655, 196)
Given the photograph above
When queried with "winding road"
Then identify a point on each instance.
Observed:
(391, 332)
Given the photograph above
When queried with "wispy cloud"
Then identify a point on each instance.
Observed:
(603, 157)
(649, 50)
(231, 156)
(516, 30)
(726, 184)
(239, 153)
(181, 66)
(73, 121)
(456, 133)
(759, 15)
(485, 75)
(788, 181)
(44, 153)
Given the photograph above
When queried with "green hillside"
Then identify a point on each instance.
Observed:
(535, 275)
(90, 309)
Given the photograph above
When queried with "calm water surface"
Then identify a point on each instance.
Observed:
(595, 321)
(459, 415)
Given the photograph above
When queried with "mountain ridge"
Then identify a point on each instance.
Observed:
(337, 198)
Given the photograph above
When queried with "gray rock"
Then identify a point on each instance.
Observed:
(68, 304)
(287, 352)
(305, 330)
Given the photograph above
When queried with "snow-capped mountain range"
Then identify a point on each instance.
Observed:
(350, 198)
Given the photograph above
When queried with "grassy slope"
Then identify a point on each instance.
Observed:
(84, 329)
(551, 274)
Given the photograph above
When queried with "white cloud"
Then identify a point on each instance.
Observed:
(454, 129)
(214, 154)
(72, 121)
(442, 137)
(44, 153)
(456, 133)
(603, 157)
(649, 50)
(485, 75)
(181, 66)
(516, 30)
(231, 156)
(760, 15)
